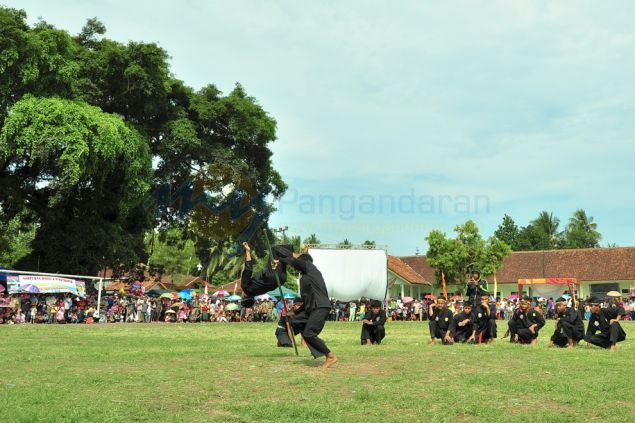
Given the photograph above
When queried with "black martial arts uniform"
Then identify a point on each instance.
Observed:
(569, 326)
(459, 331)
(282, 335)
(375, 331)
(265, 280)
(440, 322)
(474, 290)
(317, 305)
(610, 334)
(521, 321)
(485, 323)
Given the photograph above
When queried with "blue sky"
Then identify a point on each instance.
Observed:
(398, 118)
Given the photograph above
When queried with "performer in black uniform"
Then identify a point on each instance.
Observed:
(265, 280)
(440, 320)
(569, 326)
(476, 286)
(462, 328)
(525, 323)
(310, 320)
(373, 330)
(606, 321)
(485, 320)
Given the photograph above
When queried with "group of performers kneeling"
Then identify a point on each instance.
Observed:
(475, 323)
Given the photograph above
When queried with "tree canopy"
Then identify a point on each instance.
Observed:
(543, 233)
(468, 250)
(100, 143)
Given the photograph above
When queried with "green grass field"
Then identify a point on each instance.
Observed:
(234, 373)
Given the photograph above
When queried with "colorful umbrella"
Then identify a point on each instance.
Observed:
(430, 297)
(234, 297)
(265, 297)
(232, 307)
(406, 300)
(613, 294)
(166, 295)
(186, 295)
(220, 293)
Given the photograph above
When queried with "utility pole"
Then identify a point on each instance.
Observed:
(282, 229)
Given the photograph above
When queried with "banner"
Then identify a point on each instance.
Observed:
(353, 274)
(41, 285)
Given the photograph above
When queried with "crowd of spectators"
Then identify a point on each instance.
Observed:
(128, 308)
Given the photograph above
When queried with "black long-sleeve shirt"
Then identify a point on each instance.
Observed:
(600, 321)
(312, 287)
(571, 317)
(378, 319)
(443, 317)
(527, 318)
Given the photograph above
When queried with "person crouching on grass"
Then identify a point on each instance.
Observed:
(569, 326)
(606, 321)
(462, 328)
(485, 320)
(373, 330)
(525, 324)
(440, 321)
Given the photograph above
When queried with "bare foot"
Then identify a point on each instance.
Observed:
(369, 342)
(330, 360)
(613, 349)
(433, 341)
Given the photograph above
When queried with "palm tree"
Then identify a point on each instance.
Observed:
(548, 224)
(345, 244)
(369, 244)
(223, 257)
(581, 232)
(312, 240)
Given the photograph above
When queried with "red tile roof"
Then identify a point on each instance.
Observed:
(399, 267)
(420, 265)
(586, 264)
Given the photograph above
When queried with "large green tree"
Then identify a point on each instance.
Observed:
(457, 256)
(80, 174)
(213, 170)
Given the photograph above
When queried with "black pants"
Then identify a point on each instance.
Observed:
(376, 333)
(281, 333)
(437, 331)
(486, 333)
(614, 335)
(564, 332)
(310, 324)
(462, 336)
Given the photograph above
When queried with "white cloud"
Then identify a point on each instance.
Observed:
(528, 102)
